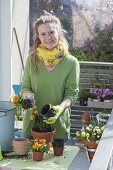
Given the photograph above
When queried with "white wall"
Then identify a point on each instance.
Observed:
(0, 58)
(5, 49)
(20, 21)
(13, 14)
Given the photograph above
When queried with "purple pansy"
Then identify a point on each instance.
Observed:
(102, 93)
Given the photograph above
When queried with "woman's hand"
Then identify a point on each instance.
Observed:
(28, 100)
(58, 109)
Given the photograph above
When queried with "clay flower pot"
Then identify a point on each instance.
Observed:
(91, 148)
(43, 135)
(85, 118)
(38, 156)
(58, 147)
(20, 146)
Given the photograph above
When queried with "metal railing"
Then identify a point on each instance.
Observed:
(95, 63)
(103, 158)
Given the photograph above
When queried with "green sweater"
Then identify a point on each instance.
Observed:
(53, 87)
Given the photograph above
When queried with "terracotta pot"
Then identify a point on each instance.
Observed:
(85, 118)
(20, 146)
(58, 150)
(91, 153)
(43, 135)
(91, 148)
(90, 144)
(58, 147)
(38, 156)
(58, 142)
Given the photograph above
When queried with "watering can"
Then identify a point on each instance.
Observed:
(17, 88)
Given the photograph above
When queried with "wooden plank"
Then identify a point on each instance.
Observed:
(104, 76)
(87, 80)
(97, 71)
(76, 125)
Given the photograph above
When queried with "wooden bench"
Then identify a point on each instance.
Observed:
(90, 72)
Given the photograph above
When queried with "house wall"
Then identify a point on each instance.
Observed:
(20, 23)
(88, 15)
(5, 49)
(79, 18)
(13, 14)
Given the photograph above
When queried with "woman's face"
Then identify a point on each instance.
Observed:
(48, 35)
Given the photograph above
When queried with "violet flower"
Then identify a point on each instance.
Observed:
(102, 93)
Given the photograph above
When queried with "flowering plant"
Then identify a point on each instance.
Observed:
(90, 132)
(38, 145)
(21, 105)
(17, 101)
(101, 93)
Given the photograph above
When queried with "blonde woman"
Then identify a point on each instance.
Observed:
(51, 74)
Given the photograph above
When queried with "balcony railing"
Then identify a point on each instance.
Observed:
(102, 71)
(103, 158)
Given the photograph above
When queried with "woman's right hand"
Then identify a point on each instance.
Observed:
(28, 100)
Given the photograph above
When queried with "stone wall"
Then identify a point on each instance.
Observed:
(79, 18)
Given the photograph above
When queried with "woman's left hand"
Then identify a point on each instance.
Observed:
(59, 109)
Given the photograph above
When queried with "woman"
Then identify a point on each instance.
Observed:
(51, 74)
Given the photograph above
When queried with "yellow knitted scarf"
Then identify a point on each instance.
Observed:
(52, 57)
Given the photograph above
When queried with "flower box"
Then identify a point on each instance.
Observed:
(98, 104)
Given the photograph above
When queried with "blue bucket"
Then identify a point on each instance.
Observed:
(7, 120)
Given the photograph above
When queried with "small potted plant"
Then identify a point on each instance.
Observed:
(38, 147)
(40, 129)
(103, 97)
(83, 96)
(19, 116)
(90, 136)
(58, 146)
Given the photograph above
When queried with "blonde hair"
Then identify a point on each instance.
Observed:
(42, 20)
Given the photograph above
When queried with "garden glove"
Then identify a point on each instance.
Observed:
(28, 100)
(59, 109)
